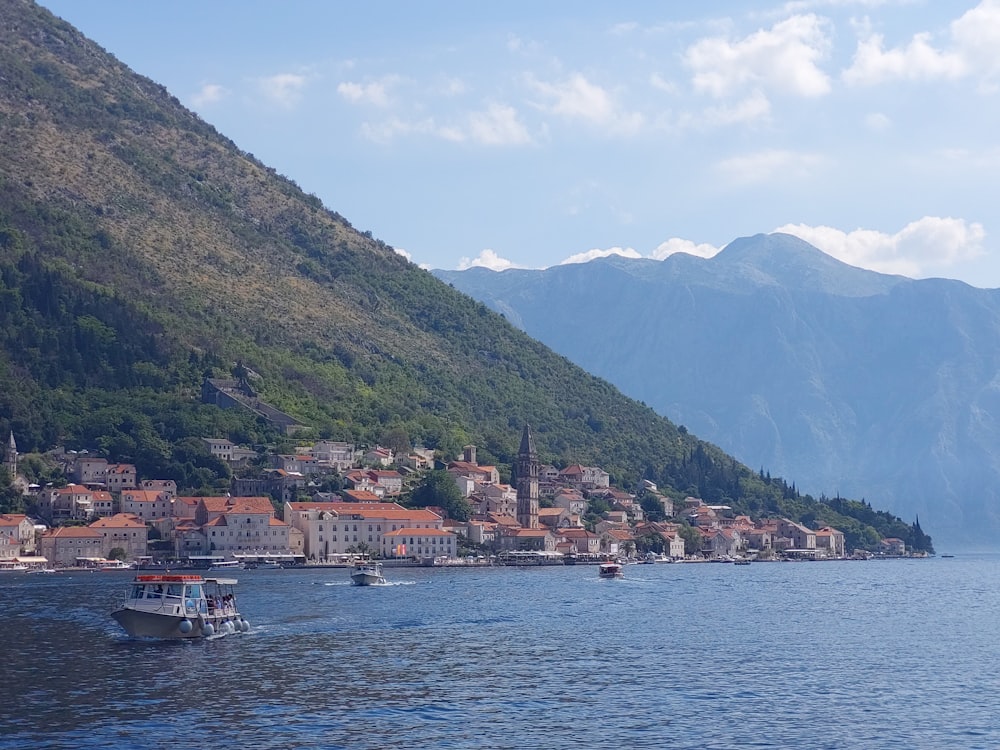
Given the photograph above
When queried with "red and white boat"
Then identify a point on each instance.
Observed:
(170, 605)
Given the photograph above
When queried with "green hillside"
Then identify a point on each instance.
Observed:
(143, 251)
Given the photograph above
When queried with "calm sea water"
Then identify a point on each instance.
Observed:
(878, 654)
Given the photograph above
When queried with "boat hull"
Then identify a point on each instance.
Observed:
(139, 624)
(367, 579)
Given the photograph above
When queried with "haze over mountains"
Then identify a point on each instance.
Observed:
(843, 380)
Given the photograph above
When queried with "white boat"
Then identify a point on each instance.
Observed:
(12, 566)
(180, 606)
(40, 571)
(367, 574)
(227, 565)
(115, 565)
(610, 570)
(269, 565)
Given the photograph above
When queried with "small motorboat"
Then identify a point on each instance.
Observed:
(610, 570)
(180, 606)
(367, 574)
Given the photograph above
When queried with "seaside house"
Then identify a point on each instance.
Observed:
(124, 531)
(74, 501)
(338, 528)
(831, 542)
(66, 545)
(19, 531)
(892, 546)
(419, 543)
(242, 524)
(580, 540)
(147, 505)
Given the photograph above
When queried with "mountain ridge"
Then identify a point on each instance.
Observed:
(848, 380)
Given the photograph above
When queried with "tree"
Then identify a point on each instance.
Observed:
(692, 539)
(116, 553)
(652, 507)
(11, 499)
(439, 488)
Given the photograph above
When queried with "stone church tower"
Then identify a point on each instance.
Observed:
(10, 460)
(527, 482)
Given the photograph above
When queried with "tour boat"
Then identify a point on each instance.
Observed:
(269, 565)
(227, 565)
(13, 566)
(180, 606)
(367, 574)
(114, 565)
(610, 570)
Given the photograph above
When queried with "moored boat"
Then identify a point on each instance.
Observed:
(367, 574)
(610, 570)
(226, 565)
(180, 606)
(109, 565)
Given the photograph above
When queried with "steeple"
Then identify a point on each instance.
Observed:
(527, 442)
(527, 482)
(10, 460)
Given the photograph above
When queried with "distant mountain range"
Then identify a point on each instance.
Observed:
(846, 381)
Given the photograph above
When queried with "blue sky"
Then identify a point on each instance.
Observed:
(529, 134)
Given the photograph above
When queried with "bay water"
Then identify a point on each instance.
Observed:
(877, 654)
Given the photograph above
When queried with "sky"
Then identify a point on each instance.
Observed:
(528, 134)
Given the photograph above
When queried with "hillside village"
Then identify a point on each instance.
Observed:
(106, 511)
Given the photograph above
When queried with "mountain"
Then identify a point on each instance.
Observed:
(141, 252)
(848, 381)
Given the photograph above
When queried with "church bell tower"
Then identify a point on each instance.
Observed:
(527, 482)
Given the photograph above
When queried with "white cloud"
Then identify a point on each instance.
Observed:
(926, 247)
(977, 38)
(754, 107)
(660, 83)
(284, 89)
(917, 61)
(374, 92)
(498, 126)
(578, 99)
(210, 93)
(394, 127)
(768, 165)
(486, 259)
(971, 51)
(784, 58)
(590, 255)
(678, 245)
(877, 122)
(404, 253)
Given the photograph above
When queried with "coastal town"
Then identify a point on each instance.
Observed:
(106, 515)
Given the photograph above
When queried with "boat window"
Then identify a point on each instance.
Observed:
(137, 591)
(175, 589)
(194, 591)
